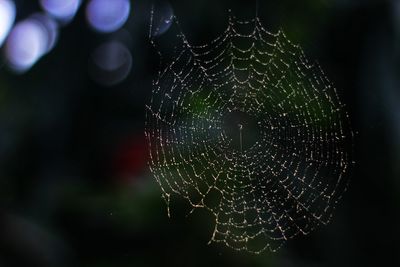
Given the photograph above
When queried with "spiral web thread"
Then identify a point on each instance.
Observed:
(290, 178)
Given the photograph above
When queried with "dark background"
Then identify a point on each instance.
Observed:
(75, 189)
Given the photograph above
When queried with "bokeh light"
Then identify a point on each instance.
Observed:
(29, 40)
(107, 16)
(7, 17)
(63, 10)
(162, 17)
(110, 63)
(51, 28)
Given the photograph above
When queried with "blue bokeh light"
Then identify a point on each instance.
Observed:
(63, 10)
(29, 40)
(50, 26)
(162, 18)
(107, 16)
(7, 17)
(110, 63)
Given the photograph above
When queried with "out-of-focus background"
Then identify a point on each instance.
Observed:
(75, 189)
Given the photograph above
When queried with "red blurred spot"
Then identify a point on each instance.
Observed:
(130, 160)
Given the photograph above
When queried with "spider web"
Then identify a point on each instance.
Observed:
(248, 129)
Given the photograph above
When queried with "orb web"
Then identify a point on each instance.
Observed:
(248, 129)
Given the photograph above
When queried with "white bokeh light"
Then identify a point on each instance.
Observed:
(29, 40)
(7, 17)
(63, 10)
(107, 15)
